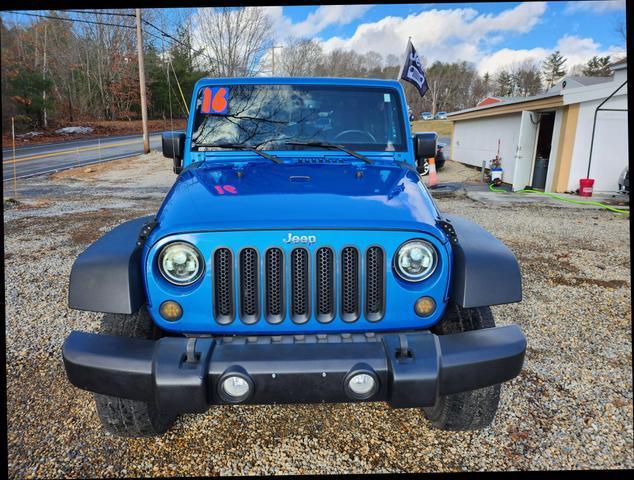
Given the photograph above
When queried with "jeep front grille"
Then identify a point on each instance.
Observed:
(223, 286)
(300, 294)
(249, 297)
(324, 284)
(349, 284)
(375, 284)
(274, 285)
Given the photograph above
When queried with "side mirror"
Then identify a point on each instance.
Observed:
(174, 147)
(425, 145)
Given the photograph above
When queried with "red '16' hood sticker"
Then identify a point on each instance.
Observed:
(215, 101)
(221, 189)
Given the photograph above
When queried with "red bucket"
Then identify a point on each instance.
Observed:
(585, 187)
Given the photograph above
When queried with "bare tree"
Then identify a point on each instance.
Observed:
(576, 70)
(234, 40)
(372, 63)
(301, 57)
(481, 88)
(526, 78)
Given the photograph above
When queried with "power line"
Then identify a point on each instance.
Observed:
(94, 22)
(95, 12)
(98, 12)
(165, 34)
(71, 19)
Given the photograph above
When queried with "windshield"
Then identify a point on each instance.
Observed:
(268, 116)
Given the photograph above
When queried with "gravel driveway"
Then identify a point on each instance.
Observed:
(571, 407)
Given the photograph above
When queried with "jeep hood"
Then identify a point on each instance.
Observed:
(258, 195)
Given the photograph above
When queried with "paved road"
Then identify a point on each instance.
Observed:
(51, 157)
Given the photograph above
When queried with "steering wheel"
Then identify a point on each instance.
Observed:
(364, 132)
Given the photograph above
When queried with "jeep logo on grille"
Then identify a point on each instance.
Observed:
(307, 239)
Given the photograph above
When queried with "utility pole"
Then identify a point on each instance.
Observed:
(139, 46)
(44, 76)
(273, 58)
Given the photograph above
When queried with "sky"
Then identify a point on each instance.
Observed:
(491, 35)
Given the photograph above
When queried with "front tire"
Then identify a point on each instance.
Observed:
(121, 416)
(474, 409)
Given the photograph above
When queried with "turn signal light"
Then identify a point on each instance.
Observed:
(425, 306)
(171, 311)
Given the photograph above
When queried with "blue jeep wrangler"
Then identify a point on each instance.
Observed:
(298, 258)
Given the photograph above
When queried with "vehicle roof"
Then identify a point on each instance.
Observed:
(367, 82)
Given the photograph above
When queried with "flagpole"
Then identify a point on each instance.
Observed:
(400, 71)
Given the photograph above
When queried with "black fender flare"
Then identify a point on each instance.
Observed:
(485, 272)
(107, 277)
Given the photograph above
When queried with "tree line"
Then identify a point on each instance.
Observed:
(72, 69)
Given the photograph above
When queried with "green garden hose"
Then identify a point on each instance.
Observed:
(563, 199)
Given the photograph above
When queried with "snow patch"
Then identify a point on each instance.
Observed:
(29, 135)
(74, 130)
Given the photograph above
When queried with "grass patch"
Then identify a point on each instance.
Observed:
(444, 128)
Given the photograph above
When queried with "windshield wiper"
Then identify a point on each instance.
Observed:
(332, 145)
(240, 146)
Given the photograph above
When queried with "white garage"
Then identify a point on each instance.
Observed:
(547, 141)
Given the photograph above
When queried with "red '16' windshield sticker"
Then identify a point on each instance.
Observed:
(215, 101)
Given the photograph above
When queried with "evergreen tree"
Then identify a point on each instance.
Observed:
(526, 79)
(486, 81)
(597, 67)
(553, 68)
(504, 84)
(27, 87)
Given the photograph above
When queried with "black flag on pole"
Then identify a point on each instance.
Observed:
(413, 70)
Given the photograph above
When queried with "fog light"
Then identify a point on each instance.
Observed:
(235, 386)
(361, 383)
(171, 311)
(425, 306)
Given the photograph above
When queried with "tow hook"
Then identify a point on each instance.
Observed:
(191, 355)
(403, 354)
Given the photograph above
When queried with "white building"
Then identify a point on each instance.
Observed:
(545, 140)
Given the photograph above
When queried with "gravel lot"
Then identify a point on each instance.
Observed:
(571, 407)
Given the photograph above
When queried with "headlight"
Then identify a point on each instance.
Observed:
(415, 260)
(181, 263)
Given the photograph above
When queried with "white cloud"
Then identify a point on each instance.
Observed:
(576, 50)
(446, 34)
(328, 15)
(595, 7)
(317, 21)
(464, 34)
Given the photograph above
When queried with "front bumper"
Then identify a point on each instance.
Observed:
(412, 368)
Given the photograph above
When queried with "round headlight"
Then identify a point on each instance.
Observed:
(181, 263)
(415, 260)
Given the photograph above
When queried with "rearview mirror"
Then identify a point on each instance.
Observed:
(174, 147)
(425, 145)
